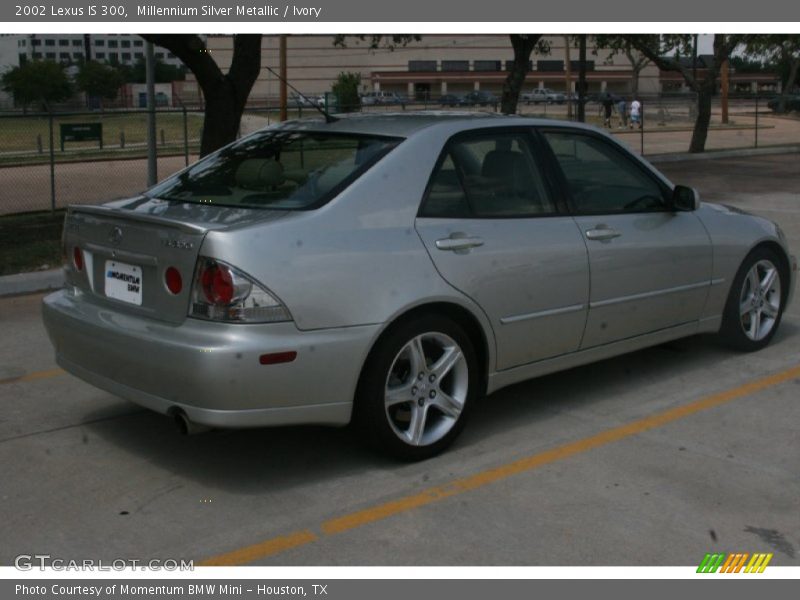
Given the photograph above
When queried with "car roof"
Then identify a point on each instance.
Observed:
(406, 123)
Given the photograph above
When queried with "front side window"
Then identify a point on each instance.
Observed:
(288, 170)
(600, 178)
(488, 176)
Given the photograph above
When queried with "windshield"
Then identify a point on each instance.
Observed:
(287, 170)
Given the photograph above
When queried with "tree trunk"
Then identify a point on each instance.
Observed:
(222, 119)
(787, 90)
(635, 81)
(700, 132)
(523, 46)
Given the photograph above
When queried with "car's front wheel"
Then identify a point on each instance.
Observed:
(417, 388)
(756, 302)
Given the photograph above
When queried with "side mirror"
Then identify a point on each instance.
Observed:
(685, 198)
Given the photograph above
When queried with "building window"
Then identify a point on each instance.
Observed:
(550, 65)
(77, 43)
(138, 43)
(421, 66)
(100, 55)
(159, 56)
(36, 55)
(64, 56)
(77, 55)
(50, 42)
(170, 55)
(112, 43)
(510, 65)
(455, 65)
(125, 43)
(50, 55)
(36, 42)
(113, 57)
(63, 42)
(126, 56)
(575, 65)
(21, 43)
(138, 56)
(488, 65)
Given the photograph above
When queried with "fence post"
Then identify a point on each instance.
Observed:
(641, 130)
(756, 133)
(52, 164)
(185, 137)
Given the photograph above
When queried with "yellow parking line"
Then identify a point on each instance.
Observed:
(262, 549)
(382, 511)
(33, 376)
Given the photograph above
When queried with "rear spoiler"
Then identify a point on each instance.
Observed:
(116, 213)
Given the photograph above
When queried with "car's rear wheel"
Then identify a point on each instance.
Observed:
(755, 302)
(417, 388)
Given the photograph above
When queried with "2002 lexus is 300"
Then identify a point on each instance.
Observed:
(391, 269)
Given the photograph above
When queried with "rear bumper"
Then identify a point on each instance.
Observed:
(211, 371)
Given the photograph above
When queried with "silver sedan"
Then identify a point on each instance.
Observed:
(392, 269)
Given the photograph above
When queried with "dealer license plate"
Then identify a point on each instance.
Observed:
(124, 282)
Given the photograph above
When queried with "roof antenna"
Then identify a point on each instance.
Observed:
(328, 117)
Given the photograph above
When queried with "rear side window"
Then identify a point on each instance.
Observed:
(601, 179)
(488, 176)
(277, 169)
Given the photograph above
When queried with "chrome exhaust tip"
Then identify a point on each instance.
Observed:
(186, 426)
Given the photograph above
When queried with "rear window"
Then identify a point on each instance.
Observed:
(286, 170)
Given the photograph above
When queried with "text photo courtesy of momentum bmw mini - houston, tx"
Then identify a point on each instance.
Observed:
(280, 297)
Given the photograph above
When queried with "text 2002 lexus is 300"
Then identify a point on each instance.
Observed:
(391, 269)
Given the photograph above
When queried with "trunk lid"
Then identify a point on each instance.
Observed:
(128, 246)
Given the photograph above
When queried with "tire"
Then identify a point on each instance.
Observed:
(751, 319)
(408, 410)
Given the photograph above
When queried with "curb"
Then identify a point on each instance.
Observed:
(712, 154)
(30, 283)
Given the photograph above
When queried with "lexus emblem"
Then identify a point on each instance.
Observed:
(115, 236)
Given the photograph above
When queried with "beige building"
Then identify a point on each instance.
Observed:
(434, 66)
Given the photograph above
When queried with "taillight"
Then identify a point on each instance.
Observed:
(221, 292)
(77, 258)
(173, 280)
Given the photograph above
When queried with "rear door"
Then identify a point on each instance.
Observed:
(494, 231)
(650, 265)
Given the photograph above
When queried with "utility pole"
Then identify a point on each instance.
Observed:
(582, 79)
(282, 71)
(150, 74)
(725, 84)
(568, 77)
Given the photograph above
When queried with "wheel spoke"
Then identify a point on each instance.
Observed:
(400, 394)
(416, 428)
(755, 323)
(752, 277)
(449, 406)
(770, 310)
(769, 280)
(746, 306)
(417, 355)
(448, 360)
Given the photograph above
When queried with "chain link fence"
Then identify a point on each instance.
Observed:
(51, 160)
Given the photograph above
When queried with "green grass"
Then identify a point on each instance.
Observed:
(19, 134)
(30, 242)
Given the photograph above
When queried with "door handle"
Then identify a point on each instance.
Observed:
(459, 241)
(602, 233)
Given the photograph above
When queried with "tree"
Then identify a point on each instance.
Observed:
(783, 51)
(225, 93)
(665, 52)
(376, 42)
(346, 91)
(523, 45)
(42, 81)
(99, 81)
(164, 72)
(618, 44)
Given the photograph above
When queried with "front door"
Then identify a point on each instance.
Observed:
(650, 265)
